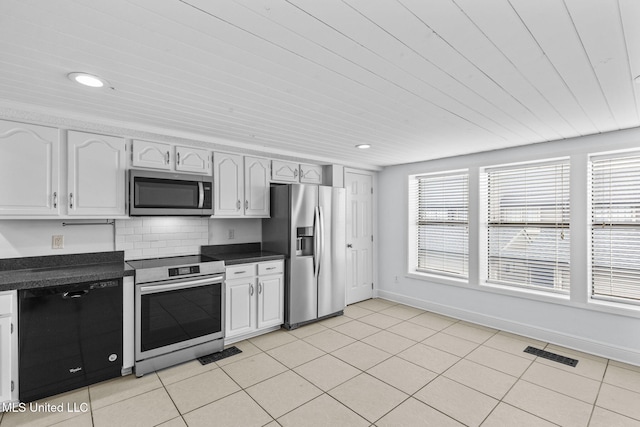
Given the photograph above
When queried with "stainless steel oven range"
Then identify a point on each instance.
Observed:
(179, 310)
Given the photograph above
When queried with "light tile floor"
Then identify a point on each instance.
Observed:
(381, 364)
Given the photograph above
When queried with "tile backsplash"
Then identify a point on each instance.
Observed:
(150, 237)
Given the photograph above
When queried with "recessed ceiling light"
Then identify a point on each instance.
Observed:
(363, 146)
(87, 79)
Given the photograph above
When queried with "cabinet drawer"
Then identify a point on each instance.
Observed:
(241, 270)
(6, 303)
(275, 267)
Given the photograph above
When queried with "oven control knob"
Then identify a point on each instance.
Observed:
(113, 357)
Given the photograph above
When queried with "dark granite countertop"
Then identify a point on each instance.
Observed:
(241, 253)
(55, 270)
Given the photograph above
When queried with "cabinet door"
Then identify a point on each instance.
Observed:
(29, 165)
(240, 307)
(228, 181)
(6, 362)
(256, 187)
(284, 171)
(311, 174)
(152, 155)
(270, 301)
(190, 159)
(96, 167)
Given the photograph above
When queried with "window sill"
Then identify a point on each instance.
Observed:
(603, 306)
(612, 307)
(435, 278)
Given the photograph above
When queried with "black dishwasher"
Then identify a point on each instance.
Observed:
(70, 336)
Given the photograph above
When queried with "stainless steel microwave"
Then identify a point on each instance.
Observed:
(165, 193)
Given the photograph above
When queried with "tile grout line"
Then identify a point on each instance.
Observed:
(593, 408)
(361, 371)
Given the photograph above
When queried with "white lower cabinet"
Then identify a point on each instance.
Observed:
(8, 347)
(254, 299)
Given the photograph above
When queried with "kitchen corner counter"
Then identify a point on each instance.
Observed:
(56, 270)
(240, 253)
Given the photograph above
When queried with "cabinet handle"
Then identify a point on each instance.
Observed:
(271, 268)
(260, 287)
(71, 200)
(246, 204)
(239, 272)
(238, 205)
(55, 199)
(251, 290)
(168, 156)
(295, 173)
(178, 157)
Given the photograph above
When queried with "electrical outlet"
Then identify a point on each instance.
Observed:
(231, 234)
(396, 280)
(57, 241)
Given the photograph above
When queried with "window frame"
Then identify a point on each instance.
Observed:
(413, 226)
(563, 226)
(612, 225)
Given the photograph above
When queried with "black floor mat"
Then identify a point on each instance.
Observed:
(214, 357)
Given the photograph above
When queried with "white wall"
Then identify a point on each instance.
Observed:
(142, 237)
(245, 230)
(576, 323)
(22, 238)
(152, 237)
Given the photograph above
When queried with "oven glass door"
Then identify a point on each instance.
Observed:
(175, 316)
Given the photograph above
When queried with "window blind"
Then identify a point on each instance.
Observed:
(528, 226)
(615, 227)
(442, 224)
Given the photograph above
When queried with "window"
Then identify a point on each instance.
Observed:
(528, 225)
(615, 226)
(442, 219)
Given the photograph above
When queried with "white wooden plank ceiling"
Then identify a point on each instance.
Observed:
(416, 79)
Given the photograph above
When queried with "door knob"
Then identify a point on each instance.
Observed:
(349, 245)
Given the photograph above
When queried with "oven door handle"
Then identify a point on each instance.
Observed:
(153, 289)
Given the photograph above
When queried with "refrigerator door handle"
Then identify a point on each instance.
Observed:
(316, 242)
(321, 237)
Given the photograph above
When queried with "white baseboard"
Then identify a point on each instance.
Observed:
(243, 337)
(574, 342)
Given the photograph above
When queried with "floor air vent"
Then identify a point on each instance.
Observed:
(551, 356)
(210, 358)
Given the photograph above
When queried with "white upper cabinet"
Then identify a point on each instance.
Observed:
(189, 159)
(310, 174)
(256, 187)
(161, 156)
(241, 186)
(96, 175)
(29, 169)
(282, 171)
(152, 155)
(228, 184)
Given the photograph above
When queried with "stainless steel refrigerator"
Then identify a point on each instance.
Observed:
(308, 225)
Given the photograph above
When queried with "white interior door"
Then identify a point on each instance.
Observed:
(359, 236)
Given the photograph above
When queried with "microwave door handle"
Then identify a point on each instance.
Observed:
(200, 194)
